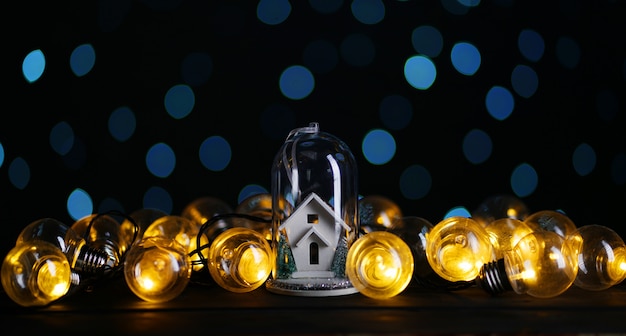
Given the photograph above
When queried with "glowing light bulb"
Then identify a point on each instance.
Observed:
(542, 264)
(36, 273)
(138, 221)
(82, 258)
(601, 258)
(377, 213)
(202, 209)
(260, 206)
(551, 220)
(500, 206)
(504, 233)
(157, 269)
(184, 231)
(380, 265)
(457, 247)
(413, 230)
(102, 232)
(240, 259)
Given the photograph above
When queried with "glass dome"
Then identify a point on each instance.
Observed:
(314, 173)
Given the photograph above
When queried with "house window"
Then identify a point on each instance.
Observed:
(312, 218)
(314, 254)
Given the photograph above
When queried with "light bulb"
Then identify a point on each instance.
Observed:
(240, 259)
(500, 206)
(551, 220)
(380, 265)
(413, 230)
(504, 233)
(157, 269)
(36, 273)
(102, 232)
(457, 247)
(202, 209)
(82, 258)
(133, 227)
(184, 231)
(601, 259)
(542, 264)
(377, 213)
(260, 206)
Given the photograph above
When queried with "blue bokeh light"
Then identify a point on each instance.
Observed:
(79, 204)
(378, 147)
(215, 153)
(160, 160)
(33, 65)
(296, 82)
(420, 72)
(83, 59)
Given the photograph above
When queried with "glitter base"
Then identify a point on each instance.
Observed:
(311, 287)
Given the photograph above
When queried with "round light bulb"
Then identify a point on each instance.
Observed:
(157, 269)
(202, 209)
(82, 258)
(184, 231)
(240, 259)
(380, 264)
(504, 233)
(542, 264)
(457, 247)
(142, 218)
(500, 206)
(551, 220)
(259, 205)
(377, 213)
(601, 259)
(413, 230)
(102, 232)
(36, 273)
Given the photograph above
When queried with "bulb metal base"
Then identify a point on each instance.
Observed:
(93, 261)
(493, 279)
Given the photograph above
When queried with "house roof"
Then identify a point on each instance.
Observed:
(310, 197)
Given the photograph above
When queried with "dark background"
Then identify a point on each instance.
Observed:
(140, 46)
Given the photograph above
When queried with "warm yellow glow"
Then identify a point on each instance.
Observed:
(457, 248)
(157, 269)
(240, 259)
(380, 264)
(53, 278)
(35, 273)
(254, 265)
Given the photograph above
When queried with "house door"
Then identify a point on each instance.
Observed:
(314, 254)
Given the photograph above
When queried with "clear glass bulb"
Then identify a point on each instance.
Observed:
(142, 218)
(240, 259)
(202, 209)
(380, 265)
(157, 269)
(551, 220)
(259, 205)
(184, 231)
(500, 206)
(102, 232)
(457, 247)
(542, 264)
(36, 273)
(413, 230)
(82, 258)
(377, 213)
(601, 259)
(504, 233)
